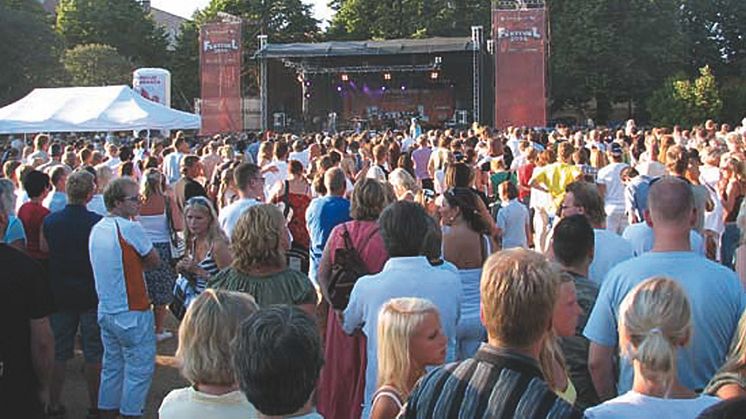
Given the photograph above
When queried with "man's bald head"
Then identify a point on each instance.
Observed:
(670, 200)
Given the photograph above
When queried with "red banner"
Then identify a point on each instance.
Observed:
(520, 67)
(220, 56)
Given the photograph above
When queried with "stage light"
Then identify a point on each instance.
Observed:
(387, 76)
(308, 83)
(299, 78)
(403, 87)
(345, 77)
(383, 88)
(339, 88)
(434, 75)
(308, 95)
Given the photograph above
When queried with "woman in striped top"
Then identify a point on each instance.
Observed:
(207, 246)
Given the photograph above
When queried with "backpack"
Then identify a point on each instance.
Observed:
(347, 268)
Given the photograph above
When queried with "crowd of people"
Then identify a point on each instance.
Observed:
(475, 273)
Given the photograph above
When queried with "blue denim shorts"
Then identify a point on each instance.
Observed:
(65, 326)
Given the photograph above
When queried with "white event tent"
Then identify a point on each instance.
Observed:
(87, 109)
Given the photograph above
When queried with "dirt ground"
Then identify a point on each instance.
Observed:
(166, 378)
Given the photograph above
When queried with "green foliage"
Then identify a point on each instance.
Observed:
(30, 50)
(611, 50)
(686, 102)
(391, 19)
(122, 24)
(733, 91)
(715, 35)
(96, 65)
(184, 67)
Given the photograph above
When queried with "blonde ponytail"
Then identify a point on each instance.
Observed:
(655, 322)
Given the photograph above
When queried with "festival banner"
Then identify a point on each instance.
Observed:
(220, 73)
(520, 67)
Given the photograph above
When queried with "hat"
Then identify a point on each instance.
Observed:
(615, 149)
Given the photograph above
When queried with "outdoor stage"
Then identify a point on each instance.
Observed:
(374, 84)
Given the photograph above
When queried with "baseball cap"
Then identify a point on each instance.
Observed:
(616, 149)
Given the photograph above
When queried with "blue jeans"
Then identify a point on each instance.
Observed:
(729, 243)
(129, 361)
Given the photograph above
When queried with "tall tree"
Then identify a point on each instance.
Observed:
(281, 20)
(122, 24)
(365, 19)
(610, 50)
(96, 65)
(715, 35)
(184, 66)
(30, 49)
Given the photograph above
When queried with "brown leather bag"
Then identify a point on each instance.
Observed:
(347, 268)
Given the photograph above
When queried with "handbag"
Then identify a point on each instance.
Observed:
(346, 269)
(177, 246)
(185, 291)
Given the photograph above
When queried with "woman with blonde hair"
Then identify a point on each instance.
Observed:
(155, 220)
(259, 243)
(207, 250)
(732, 189)
(655, 321)
(730, 381)
(102, 175)
(205, 356)
(410, 338)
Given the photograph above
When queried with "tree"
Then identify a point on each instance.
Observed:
(96, 65)
(612, 51)
(281, 20)
(184, 67)
(30, 49)
(365, 19)
(715, 35)
(122, 24)
(686, 102)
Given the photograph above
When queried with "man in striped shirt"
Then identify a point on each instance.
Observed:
(503, 379)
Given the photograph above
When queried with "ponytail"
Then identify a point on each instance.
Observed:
(655, 322)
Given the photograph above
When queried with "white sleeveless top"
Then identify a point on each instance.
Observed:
(156, 227)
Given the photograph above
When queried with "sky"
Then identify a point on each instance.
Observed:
(185, 8)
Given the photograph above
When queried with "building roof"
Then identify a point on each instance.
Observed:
(349, 48)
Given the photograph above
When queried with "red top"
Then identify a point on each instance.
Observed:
(524, 177)
(32, 216)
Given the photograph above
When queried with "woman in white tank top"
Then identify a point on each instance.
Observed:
(154, 220)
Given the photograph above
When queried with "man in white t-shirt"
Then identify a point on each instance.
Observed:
(120, 251)
(611, 187)
(250, 184)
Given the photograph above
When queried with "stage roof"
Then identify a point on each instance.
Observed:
(356, 48)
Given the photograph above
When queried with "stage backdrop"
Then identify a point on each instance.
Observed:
(220, 73)
(520, 67)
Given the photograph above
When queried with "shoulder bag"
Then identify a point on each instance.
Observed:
(347, 268)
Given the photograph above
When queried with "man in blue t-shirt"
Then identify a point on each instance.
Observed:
(716, 295)
(324, 213)
(66, 234)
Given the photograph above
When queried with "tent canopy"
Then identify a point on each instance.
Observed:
(86, 109)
